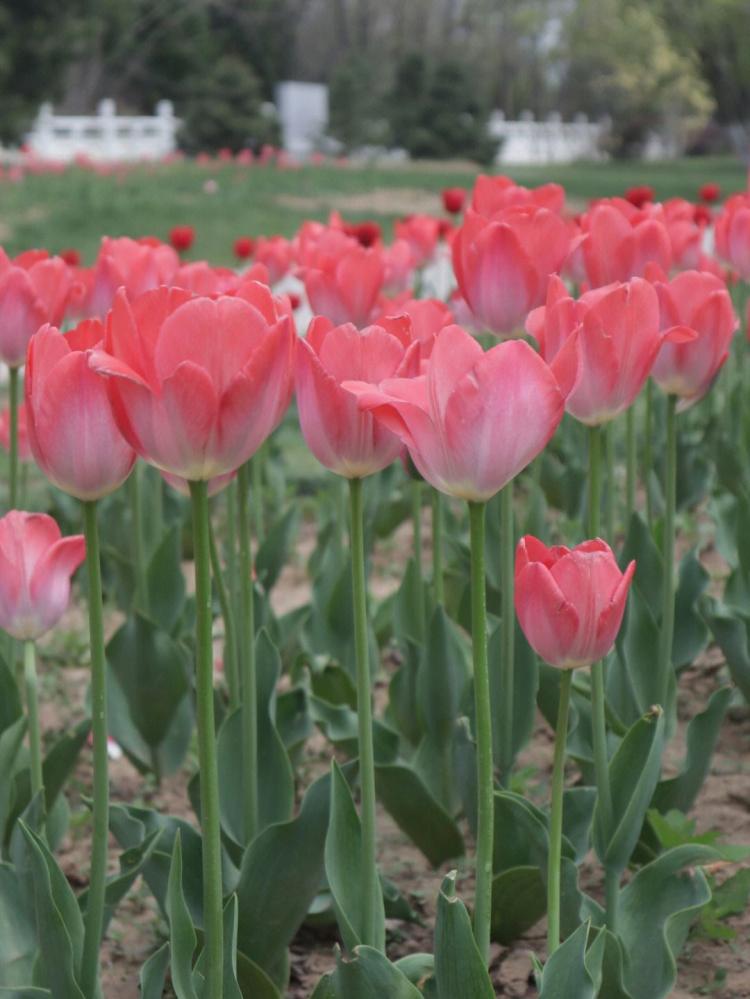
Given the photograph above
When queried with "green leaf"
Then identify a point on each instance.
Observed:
(231, 988)
(339, 725)
(640, 546)
(371, 976)
(525, 685)
(254, 983)
(409, 607)
(442, 677)
(343, 864)
(656, 910)
(165, 581)
(633, 772)
(18, 935)
(565, 974)
(702, 734)
(417, 813)
(632, 679)
(149, 699)
(604, 962)
(730, 630)
(274, 549)
(132, 862)
(281, 872)
(519, 900)
(690, 631)
(154, 974)
(29, 992)
(10, 700)
(182, 936)
(59, 923)
(11, 740)
(459, 967)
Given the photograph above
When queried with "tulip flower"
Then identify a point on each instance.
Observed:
(243, 247)
(454, 199)
(570, 604)
(36, 564)
(72, 431)
(136, 265)
(495, 194)
(182, 237)
(709, 192)
(344, 285)
(732, 234)
(640, 195)
(455, 419)
(421, 232)
(502, 263)
(621, 242)
(275, 254)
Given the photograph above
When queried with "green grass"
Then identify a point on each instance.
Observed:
(76, 208)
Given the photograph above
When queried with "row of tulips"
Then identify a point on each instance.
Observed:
(193, 375)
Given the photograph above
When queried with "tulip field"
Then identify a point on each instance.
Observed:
(374, 581)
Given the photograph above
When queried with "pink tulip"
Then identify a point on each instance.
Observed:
(196, 384)
(343, 438)
(570, 602)
(421, 232)
(275, 254)
(474, 420)
(420, 318)
(344, 285)
(621, 242)
(34, 289)
(618, 335)
(36, 564)
(72, 431)
(700, 302)
(502, 263)
(732, 233)
(136, 265)
(494, 194)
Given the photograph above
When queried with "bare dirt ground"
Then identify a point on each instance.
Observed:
(707, 967)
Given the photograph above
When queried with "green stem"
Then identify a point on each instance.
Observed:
(485, 779)
(631, 461)
(24, 484)
(32, 709)
(368, 874)
(648, 451)
(595, 482)
(670, 499)
(507, 665)
(94, 916)
(230, 554)
(230, 635)
(257, 463)
(247, 663)
(13, 387)
(611, 492)
(438, 583)
(556, 815)
(139, 547)
(209, 775)
(416, 518)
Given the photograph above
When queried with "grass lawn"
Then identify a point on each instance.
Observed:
(76, 208)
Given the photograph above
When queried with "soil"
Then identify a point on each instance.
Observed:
(707, 967)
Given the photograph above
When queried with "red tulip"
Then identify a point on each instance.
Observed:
(639, 196)
(36, 564)
(474, 420)
(243, 247)
(700, 302)
(620, 243)
(34, 289)
(182, 237)
(24, 448)
(617, 333)
(72, 431)
(196, 384)
(71, 256)
(709, 192)
(344, 439)
(502, 263)
(732, 233)
(570, 602)
(454, 199)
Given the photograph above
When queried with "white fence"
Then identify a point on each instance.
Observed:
(105, 137)
(553, 140)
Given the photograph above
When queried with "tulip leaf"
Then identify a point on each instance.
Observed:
(18, 935)
(519, 900)
(633, 683)
(459, 967)
(273, 551)
(656, 910)
(11, 741)
(132, 862)
(417, 813)
(154, 974)
(343, 864)
(58, 918)
(442, 677)
(339, 725)
(409, 607)
(731, 631)
(633, 773)
(525, 685)
(10, 699)
(565, 974)
(640, 547)
(281, 872)
(690, 631)
(370, 975)
(403, 703)
(182, 936)
(231, 989)
(24, 992)
(165, 581)
(149, 695)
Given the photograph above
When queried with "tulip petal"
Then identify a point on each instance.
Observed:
(548, 620)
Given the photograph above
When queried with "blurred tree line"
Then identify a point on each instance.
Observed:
(421, 74)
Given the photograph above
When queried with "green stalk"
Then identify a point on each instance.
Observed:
(485, 778)
(598, 716)
(438, 584)
(416, 517)
(230, 556)
(257, 463)
(611, 491)
(507, 665)
(247, 662)
(670, 499)
(369, 873)
(94, 916)
(207, 763)
(13, 387)
(32, 709)
(556, 815)
(230, 635)
(631, 462)
(139, 546)
(648, 451)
